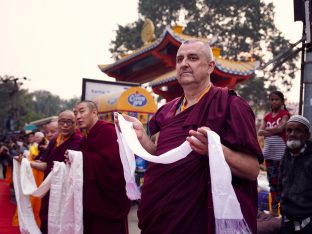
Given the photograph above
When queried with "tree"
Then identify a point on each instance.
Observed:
(245, 29)
(9, 104)
(255, 92)
(19, 107)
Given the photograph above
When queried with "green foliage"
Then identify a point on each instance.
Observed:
(21, 107)
(243, 27)
(255, 92)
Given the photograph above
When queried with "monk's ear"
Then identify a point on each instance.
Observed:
(94, 111)
(211, 66)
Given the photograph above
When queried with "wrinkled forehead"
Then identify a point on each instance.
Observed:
(293, 125)
(195, 48)
(190, 47)
(52, 125)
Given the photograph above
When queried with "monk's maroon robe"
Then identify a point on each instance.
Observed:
(176, 198)
(51, 154)
(105, 202)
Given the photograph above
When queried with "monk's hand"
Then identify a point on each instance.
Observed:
(116, 121)
(19, 158)
(66, 156)
(198, 140)
(137, 125)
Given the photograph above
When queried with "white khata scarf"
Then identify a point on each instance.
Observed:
(228, 215)
(65, 202)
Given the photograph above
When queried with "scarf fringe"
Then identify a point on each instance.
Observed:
(232, 226)
(133, 192)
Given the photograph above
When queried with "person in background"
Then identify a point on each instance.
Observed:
(30, 138)
(272, 129)
(105, 203)
(34, 156)
(177, 197)
(42, 144)
(4, 158)
(295, 178)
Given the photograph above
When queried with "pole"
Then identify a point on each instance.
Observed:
(307, 82)
(302, 72)
(307, 78)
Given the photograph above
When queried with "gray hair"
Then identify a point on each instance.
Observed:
(206, 46)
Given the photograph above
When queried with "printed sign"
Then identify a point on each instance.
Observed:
(137, 100)
(93, 88)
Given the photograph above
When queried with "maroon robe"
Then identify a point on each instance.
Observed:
(51, 154)
(176, 198)
(105, 202)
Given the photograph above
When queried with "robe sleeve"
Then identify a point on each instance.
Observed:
(104, 185)
(239, 133)
(47, 152)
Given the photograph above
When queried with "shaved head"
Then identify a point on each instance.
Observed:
(68, 114)
(205, 48)
(91, 105)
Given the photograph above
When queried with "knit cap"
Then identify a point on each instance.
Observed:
(300, 119)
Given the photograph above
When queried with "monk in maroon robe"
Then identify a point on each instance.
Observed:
(66, 139)
(177, 198)
(105, 203)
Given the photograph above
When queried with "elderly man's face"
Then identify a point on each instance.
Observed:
(193, 64)
(296, 134)
(51, 130)
(66, 123)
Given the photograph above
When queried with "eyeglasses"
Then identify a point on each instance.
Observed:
(68, 122)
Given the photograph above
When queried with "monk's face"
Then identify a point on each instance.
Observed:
(51, 130)
(193, 64)
(66, 123)
(38, 137)
(85, 116)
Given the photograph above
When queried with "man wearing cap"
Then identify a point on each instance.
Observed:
(296, 176)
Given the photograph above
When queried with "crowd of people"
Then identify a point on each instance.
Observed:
(177, 197)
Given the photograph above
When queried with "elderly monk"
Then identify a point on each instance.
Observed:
(51, 130)
(105, 203)
(177, 198)
(67, 138)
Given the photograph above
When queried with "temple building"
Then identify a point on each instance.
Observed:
(154, 63)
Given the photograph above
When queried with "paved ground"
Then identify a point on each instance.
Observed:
(133, 220)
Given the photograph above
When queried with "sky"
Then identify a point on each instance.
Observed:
(56, 43)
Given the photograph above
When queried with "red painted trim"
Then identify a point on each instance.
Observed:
(168, 38)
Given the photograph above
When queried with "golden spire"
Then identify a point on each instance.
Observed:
(148, 32)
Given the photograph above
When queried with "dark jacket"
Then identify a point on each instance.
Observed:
(296, 186)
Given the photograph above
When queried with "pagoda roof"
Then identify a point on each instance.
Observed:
(178, 37)
(149, 61)
(155, 63)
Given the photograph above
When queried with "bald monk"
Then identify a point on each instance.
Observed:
(105, 203)
(51, 130)
(177, 198)
(67, 138)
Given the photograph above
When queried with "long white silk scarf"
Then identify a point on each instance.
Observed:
(129, 146)
(65, 202)
(228, 215)
(227, 211)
